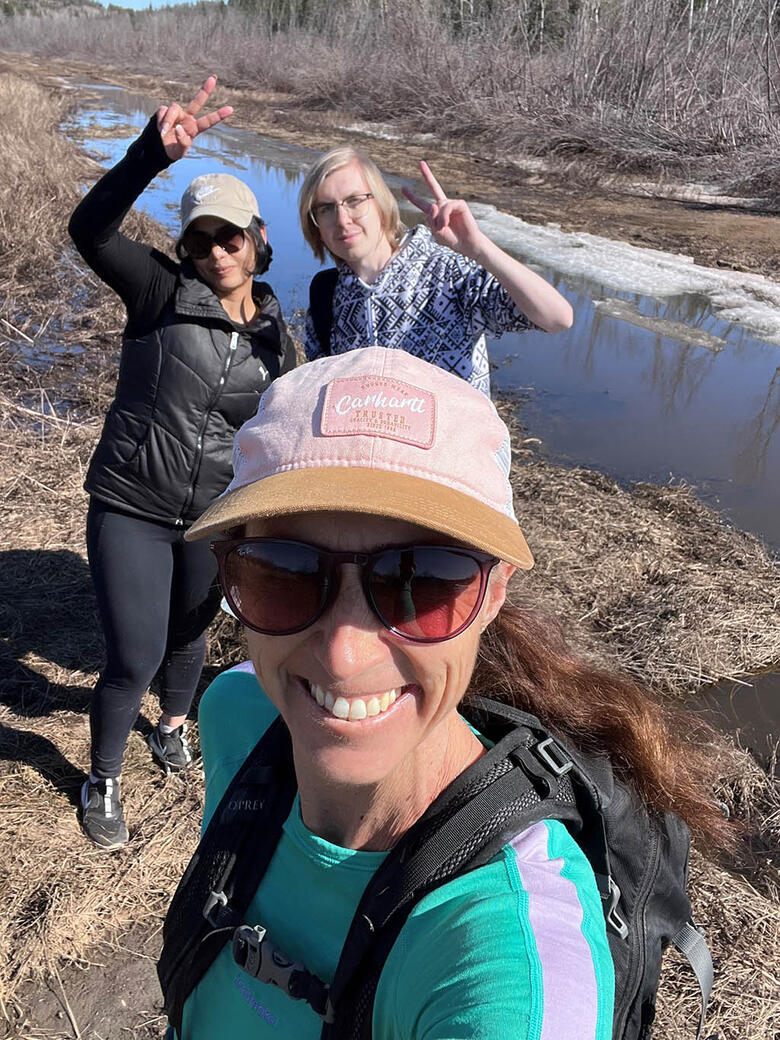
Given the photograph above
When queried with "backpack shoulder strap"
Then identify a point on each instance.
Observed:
(321, 292)
(521, 780)
(212, 897)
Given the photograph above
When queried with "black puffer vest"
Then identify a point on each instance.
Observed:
(182, 392)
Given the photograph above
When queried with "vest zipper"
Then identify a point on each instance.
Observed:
(204, 421)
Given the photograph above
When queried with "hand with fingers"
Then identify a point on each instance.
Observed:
(180, 126)
(451, 221)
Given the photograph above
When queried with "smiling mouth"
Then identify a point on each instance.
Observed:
(355, 709)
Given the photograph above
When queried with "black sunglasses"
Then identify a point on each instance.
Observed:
(425, 593)
(198, 244)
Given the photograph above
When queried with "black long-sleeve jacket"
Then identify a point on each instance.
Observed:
(188, 375)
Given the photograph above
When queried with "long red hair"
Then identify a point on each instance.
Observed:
(669, 756)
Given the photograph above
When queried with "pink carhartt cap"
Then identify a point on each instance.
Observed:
(376, 431)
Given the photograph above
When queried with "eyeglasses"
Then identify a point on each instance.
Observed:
(198, 244)
(328, 212)
(424, 593)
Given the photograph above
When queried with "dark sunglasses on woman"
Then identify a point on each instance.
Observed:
(198, 244)
(423, 593)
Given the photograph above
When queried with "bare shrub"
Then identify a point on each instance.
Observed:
(644, 85)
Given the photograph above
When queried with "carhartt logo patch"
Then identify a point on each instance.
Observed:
(379, 406)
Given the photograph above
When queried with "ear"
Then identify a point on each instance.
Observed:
(496, 592)
(263, 235)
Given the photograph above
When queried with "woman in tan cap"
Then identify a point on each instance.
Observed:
(352, 855)
(203, 339)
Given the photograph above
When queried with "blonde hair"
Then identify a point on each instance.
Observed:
(327, 164)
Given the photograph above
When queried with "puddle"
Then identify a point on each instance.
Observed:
(749, 710)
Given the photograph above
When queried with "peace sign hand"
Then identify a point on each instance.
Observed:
(179, 126)
(450, 220)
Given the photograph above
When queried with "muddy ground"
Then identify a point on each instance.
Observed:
(113, 993)
(568, 194)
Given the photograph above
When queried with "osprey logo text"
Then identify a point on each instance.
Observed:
(245, 804)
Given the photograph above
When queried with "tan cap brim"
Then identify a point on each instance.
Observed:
(350, 489)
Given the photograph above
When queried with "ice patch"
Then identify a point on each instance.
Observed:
(747, 299)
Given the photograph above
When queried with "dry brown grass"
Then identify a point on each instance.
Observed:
(672, 592)
(646, 576)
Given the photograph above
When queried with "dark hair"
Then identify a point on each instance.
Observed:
(263, 252)
(669, 756)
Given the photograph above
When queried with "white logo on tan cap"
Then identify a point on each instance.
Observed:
(205, 192)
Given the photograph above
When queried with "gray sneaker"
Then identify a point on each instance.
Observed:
(101, 813)
(170, 750)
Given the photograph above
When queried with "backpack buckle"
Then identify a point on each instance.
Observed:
(611, 898)
(213, 900)
(553, 756)
(247, 949)
(256, 954)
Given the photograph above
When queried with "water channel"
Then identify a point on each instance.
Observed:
(640, 388)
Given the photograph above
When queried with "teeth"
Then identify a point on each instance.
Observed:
(340, 708)
(355, 708)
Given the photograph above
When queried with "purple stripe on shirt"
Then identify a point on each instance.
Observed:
(570, 997)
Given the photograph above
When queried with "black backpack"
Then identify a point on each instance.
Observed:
(640, 861)
(321, 291)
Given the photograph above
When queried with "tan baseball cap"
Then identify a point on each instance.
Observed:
(376, 431)
(218, 195)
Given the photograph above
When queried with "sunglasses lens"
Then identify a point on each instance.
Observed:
(275, 587)
(229, 238)
(198, 244)
(426, 594)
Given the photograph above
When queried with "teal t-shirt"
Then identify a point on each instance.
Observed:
(515, 950)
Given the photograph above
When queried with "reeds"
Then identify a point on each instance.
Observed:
(652, 86)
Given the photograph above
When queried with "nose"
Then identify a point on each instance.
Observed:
(343, 216)
(217, 251)
(351, 637)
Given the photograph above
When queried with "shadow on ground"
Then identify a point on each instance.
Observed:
(47, 615)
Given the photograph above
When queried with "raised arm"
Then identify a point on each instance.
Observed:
(453, 225)
(140, 275)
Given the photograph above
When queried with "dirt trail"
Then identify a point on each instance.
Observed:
(716, 236)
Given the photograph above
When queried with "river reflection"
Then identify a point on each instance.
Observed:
(641, 402)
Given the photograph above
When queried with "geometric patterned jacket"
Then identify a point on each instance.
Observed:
(428, 300)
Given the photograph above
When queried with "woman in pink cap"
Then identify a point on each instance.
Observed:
(203, 339)
(434, 290)
(366, 543)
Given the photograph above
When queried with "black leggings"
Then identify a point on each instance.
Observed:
(156, 595)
